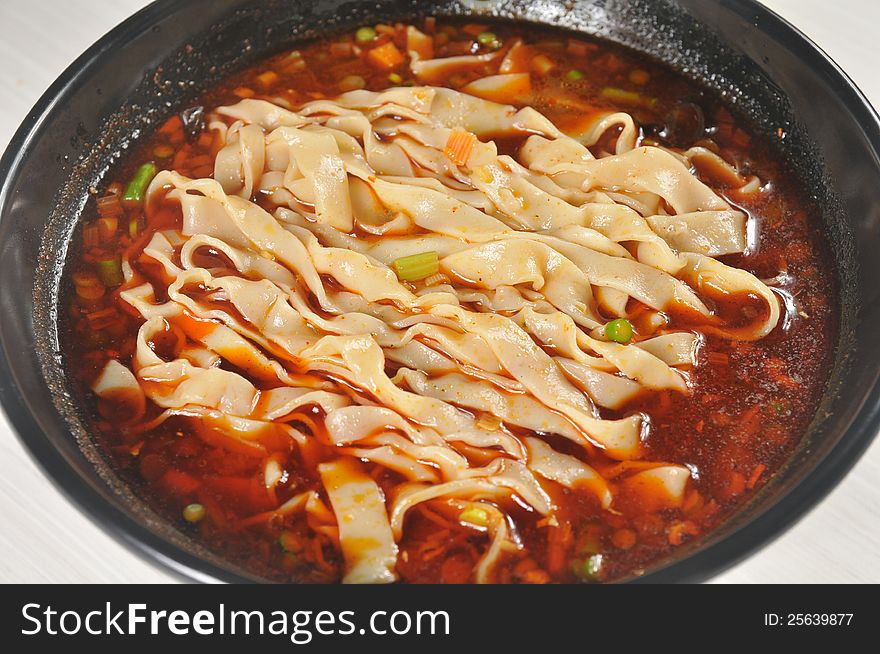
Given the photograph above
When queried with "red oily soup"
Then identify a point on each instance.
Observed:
(450, 302)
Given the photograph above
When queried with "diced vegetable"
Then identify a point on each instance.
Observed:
(489, 422)
(109, 205)
(91, 236)
(693, 501)
(619, 330)
(163, 152)
(610, 62)
(103, 318)
(624, 538)
(574, 75)
(675, 533)
(179, 482)
(134, 192)
(639, 77)
(580, 48)
(756, 475)
(110, 271)
(474, 515)
(472, 29)
(559, 541)
(107, 228)
(394, 78)
(542, 64)
(386, 56)
(134, 228)
(365, 35)
(88, 287)
(534, 576)
(194, 513)
(416, 266)
(172, 130)
(589, 569)
(589, 540)
(341, 50)
(489, 40)
(351, 83)
(290, 542)
(779, 407)
(736, 484)
(267, 78)
(85, 279)
(294, 62)
(459, 147)
(437, 279)
(622, 96)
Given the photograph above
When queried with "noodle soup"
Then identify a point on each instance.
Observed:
(451, 303)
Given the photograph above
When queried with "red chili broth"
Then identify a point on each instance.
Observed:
(750, 404)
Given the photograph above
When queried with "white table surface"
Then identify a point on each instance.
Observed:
(44, 539)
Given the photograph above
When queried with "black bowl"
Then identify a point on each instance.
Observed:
(164, 56)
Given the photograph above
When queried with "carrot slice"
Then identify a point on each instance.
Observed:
(735, 486)
(459, 146)
(542, 64)
(559, 539)
(180, 483)
(386, 57)
(756, 475)
(474, 29)
(267, 78)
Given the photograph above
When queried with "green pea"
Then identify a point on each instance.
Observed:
(619, 331)
(365, 35)
(194, 513)
(489, 40)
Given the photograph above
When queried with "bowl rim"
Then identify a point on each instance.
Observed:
(696, 566)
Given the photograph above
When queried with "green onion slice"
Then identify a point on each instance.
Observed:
(110, 271)
(417, 266)
(365, 35)
(622, 96)
(590, 569)
(290, 542)
(194, 513)
(134, 192)
(489, 40)
(474, 515)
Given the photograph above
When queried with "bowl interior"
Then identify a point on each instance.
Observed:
(165, 56)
